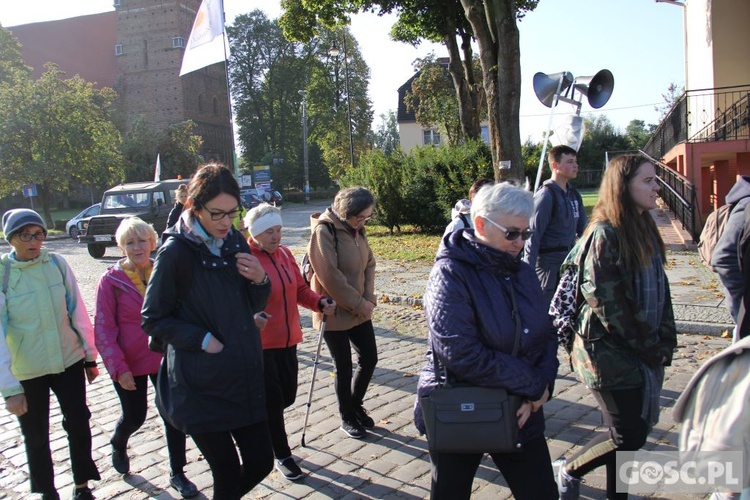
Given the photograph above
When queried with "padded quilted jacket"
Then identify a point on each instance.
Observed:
(472, 328)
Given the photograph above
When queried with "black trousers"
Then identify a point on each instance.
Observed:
(621, 412)
(134, 406)
(350, 390)
(233, 479)
(528, 473)
(70, 389)
(280, 373)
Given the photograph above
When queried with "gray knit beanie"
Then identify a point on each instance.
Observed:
(15, 220)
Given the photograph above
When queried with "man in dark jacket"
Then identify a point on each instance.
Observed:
(725, 259)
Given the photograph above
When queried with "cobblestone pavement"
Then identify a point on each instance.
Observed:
(391, 462)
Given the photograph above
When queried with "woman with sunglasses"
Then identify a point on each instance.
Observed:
(477, 292)
(344, 269)
(48, 346)
(625, 327)
(200, 301)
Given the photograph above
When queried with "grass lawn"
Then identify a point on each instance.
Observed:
(412, 246)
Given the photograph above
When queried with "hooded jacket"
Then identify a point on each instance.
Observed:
(472, 328)
(725, 257)
(47, 327)
(344, 271)
(120, 338)
(206, 392)
(460, 215)
(288, 289)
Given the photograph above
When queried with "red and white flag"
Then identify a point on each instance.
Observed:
(206, 43)
(157, 172)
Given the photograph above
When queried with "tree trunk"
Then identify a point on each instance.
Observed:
(463, 82)
(496, 32)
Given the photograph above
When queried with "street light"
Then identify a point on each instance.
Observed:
(305, 162)
(334, 52)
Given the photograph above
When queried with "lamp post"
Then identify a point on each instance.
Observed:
(305, 162)
(334, 52)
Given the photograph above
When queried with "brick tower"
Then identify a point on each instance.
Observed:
(150, 42)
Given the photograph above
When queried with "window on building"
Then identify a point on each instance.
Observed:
(178, 42)
(485, 131)
(431, 137)
(216, 106)
(118, 49)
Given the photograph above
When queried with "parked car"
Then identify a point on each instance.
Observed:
(251, 198)
(71, 227)
(151, 201)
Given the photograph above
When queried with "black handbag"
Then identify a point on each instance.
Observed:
(464, 418)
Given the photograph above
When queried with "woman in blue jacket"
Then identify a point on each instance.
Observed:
(472, 330)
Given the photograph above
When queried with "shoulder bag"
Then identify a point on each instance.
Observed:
(464, 418)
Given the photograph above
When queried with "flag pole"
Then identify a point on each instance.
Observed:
(229, 92)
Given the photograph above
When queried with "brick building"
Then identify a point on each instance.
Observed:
(137, 49)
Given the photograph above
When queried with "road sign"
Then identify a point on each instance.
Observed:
(29, 190)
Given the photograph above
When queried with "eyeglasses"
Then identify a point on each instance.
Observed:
(217, 215)
(363, 218)
(511, 235)
(26, 237)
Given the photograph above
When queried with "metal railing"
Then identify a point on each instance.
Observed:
(703, 115)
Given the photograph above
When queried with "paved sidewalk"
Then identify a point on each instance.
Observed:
(391, 462)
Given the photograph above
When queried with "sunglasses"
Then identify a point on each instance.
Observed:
(511, 235)
(220, 214)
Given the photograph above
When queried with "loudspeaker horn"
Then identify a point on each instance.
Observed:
(597, 88)
(545, 85)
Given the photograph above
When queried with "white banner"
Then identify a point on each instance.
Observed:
(206, 43)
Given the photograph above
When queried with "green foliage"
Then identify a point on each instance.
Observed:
(178, 146)
(419, 189)
(637, 134)
(386, 136)
(268, 73)
(12, 67)
(600, 136)
(56, 132)
(531, 152)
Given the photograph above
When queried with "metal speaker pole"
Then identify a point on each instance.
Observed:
(598, 88)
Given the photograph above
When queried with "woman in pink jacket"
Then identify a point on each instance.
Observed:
(281, 332)
(123, 346)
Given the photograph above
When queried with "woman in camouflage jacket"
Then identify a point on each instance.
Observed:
(625, 330)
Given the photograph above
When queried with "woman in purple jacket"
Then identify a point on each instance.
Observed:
(472, 330)
(123, 346)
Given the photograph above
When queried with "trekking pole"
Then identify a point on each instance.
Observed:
(312, 382)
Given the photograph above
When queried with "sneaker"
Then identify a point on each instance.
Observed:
(183, 485)
(83, 494)
(363, 418)
(568, 486)
(120, 460)
(289, 469)
(353, 428)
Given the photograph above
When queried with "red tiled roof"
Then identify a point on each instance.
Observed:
(82, 46)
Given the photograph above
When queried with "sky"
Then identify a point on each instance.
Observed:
(640, 41)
